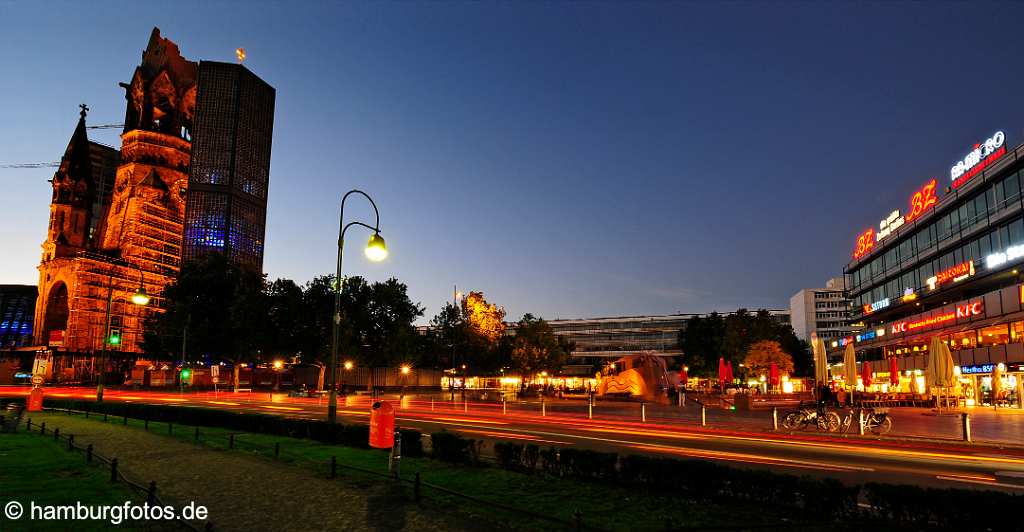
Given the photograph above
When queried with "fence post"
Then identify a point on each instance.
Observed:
(577, 518)
(196, 438)
(775, 418)
(703, 416)
(395, 460)
(28, 424)
(88, 453)
(170, 428)
(277, 449)
(967, 427)
(71, 442)
(125, 422)
(56, 433)
(416, 487)
(643, 412)
(104, 417)
(151, 492)
(86, 411)
(42, 428)
(334, 466)
(231, 441)
(146, 422)
(113, 470)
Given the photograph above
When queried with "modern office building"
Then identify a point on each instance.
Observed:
(603, 339)
(947, 267)
(821, 311)
(17, 309)
(226, 209)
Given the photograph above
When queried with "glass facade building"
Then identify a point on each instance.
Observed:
(230, 170)
(17, 310)
(950, 268)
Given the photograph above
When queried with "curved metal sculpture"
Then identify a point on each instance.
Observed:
(642, 376)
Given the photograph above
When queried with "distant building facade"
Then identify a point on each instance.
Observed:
(17, 314)
(822, 311)
(226, 208)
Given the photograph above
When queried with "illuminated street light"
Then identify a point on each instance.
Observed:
(376, 251)
(278, 364)
(348, 364)
(140, 298)
(405, 369)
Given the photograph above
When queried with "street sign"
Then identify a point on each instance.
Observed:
(37, 380)
(215, 373)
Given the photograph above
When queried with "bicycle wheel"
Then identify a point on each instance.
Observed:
(847, 421)
(829, 422)
(882, 427)
(791, 420)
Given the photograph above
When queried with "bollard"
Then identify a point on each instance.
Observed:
(543, 408)
(71, 442)
(465, 405)
(151, 492)
(277, 449)
(703, 416)
(334, 466)
(431, 404)
(967, 427)
(395, 460)
(113, 470)
(860, 421)
(88, 453)
(231, 441)
(590, 409)
(197, 434)
(416, 487)
(643, 412)
(504, 409)
(775, 418)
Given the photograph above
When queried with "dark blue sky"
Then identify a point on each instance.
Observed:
(568, 159)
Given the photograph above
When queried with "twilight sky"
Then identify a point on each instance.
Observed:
(568, 159)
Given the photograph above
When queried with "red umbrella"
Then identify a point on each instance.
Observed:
(894, 371)
(728, 371)
(773, 374)
(683, 377)
(722, 375)
(866, 375)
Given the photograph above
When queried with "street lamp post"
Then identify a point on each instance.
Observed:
(140, 298)
(376, 251)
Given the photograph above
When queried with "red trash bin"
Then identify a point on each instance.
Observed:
(35, 400)
(382, 425)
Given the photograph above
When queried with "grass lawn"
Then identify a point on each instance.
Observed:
(36, 468)
(600, 505)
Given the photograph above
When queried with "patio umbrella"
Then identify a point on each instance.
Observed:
(894, 371)
(728, 371)
(997, 383)
(866, 375)
(939, 373)
(850, 368)
(683, 377)
(820, 360)
(773, 374)
(721, 372)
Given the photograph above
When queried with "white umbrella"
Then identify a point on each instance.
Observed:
(820, 361)
(850, 368)
(997, 384)
(939, 373)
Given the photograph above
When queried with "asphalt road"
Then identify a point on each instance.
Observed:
(617, 427)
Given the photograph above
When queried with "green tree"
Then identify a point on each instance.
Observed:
(762, 353)
(446, 338)
(537, 348)
(223, 308)
(701, 342)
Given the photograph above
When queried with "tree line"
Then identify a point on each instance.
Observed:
(218, 311)
(753, 339)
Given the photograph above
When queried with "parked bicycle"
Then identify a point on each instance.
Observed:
(822, 418)
(877, 421)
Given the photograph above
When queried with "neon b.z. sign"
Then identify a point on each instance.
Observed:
(921, 200)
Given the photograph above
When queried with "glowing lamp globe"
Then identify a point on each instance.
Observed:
(376, 250)
(140, 297)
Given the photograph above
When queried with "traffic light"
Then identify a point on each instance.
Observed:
(115, 337)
